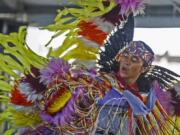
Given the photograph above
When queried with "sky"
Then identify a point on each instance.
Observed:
(159, 39)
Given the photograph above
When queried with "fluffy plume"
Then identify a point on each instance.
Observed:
(135, 6)
(56, 69)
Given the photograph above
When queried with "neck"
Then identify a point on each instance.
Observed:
(129, 81)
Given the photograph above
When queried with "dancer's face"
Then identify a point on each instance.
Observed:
(131, 66)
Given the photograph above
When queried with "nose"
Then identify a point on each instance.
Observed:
(127, 61)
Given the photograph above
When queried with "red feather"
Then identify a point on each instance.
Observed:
(18, 98)
(91, 32)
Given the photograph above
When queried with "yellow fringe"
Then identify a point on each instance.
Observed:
(25, 118)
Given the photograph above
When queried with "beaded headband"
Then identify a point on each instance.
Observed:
(141, 50)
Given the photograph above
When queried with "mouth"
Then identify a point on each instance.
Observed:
(124, 69)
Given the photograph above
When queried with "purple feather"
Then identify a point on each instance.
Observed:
(135, 6)
(55, 69)
(164, 98)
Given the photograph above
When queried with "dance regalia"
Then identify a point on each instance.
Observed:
(79, 101)
(50, 96)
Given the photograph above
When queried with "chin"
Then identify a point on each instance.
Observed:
(123, 75)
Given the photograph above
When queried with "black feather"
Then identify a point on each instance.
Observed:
(116, 41)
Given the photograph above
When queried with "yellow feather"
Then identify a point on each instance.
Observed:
(82, 52)
(60, 102)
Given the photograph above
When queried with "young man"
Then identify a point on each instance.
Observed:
(124, 101)
(147, 89)
(134, 60)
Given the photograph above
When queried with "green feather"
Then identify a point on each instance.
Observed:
(5, 86)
